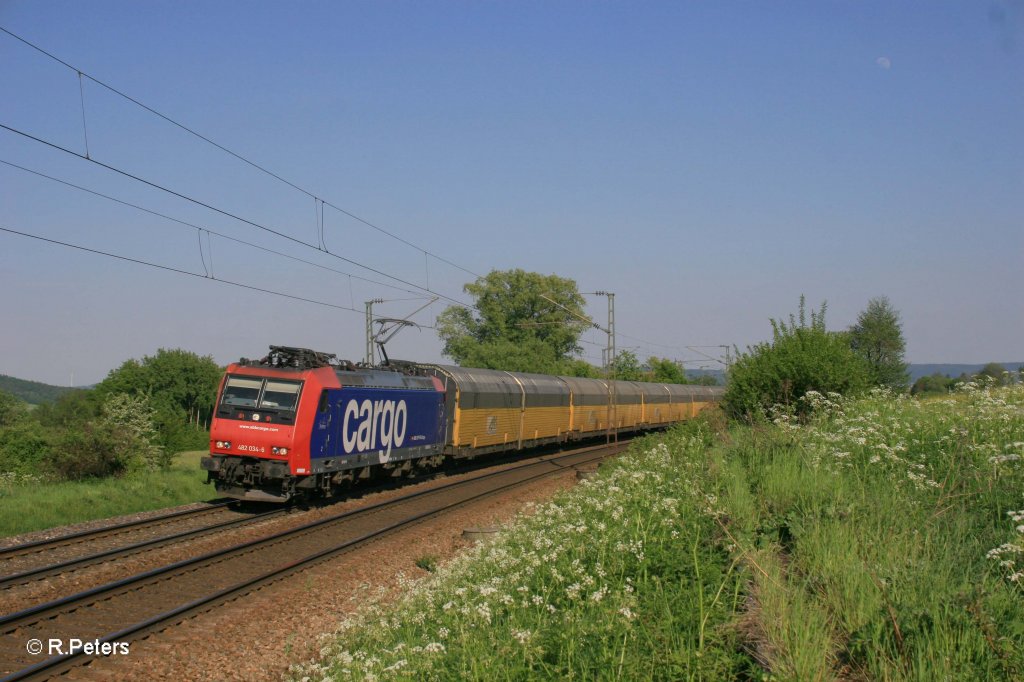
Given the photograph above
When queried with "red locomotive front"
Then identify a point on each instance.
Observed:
(261, 427)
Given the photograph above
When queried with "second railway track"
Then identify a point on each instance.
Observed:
(58, 558)
(92, 535)
(127, 609)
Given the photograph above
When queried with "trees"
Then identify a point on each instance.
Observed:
(181, 388)
(801, 357)
(665, 371)
(136, 418)
(935, 383)
(878, 338)
(12, 409)
(995, 373)
(513, 326)
(705, 380)
(626, 367)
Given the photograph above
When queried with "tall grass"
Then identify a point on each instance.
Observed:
(621, 578)
(888, 515)
(877, 539)
(27, 504)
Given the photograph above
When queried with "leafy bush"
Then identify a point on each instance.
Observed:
(25, 448)
(121, 440)
(802, 357)
(71, 410)
(87, 452)
(130, 421)
(665, 371)
(935, 383)
(12, 409)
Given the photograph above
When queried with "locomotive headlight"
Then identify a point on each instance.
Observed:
(279, 451)
(284, 451)
(220, 445)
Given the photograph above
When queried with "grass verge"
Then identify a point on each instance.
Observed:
(28, 506)
(881, 539)
(886, 527)
(623, 577)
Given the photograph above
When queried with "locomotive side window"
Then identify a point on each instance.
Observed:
(242, 391)
(280, 395)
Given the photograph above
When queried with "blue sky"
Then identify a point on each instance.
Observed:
(707, 162)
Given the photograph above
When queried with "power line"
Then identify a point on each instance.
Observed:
(199, 227)
(176, 270)
(224, 149)
(225, 213)
(322, 202)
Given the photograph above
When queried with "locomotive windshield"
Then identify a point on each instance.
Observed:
(261, 394)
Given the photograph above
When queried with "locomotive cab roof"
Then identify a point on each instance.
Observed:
(397, 374)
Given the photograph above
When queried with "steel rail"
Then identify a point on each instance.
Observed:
(52, 569)
(62, 663)
(46, 544)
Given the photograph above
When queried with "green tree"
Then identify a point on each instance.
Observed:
(513, 326)
(12, 409)
(801, 357)
(935, 383)
(626, 367)
(130, 421)
(665, 371)
(180, 386)
(996, 373)
(122, 439)
(878, 338)
(71, 409)
(580, 368)
(705, 380)
(25, 448)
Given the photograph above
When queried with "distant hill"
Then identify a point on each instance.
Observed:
(32, 392)
(923, 370)
(718, 374)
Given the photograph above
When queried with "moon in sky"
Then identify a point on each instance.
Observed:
(884, 62)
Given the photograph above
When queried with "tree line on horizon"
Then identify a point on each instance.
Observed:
(528, 322)
(147, 410)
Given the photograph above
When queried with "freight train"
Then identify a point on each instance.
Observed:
(299, 424)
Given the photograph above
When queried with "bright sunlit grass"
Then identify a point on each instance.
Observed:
(27, 505)
(887, 515)
(620, 578)
(883, 539)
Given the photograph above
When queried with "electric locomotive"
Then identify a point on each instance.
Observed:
(299, 423)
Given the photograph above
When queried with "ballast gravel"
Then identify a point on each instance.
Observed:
(259, 635)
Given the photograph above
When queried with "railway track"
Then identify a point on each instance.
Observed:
(125, 610)
(20, 569)
(94, 535)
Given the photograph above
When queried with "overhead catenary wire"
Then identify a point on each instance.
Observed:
(234, 154)
(226, 213)
(189, 273)
(179, 271)
(244, 220)
(208, 231)
(319, 202)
